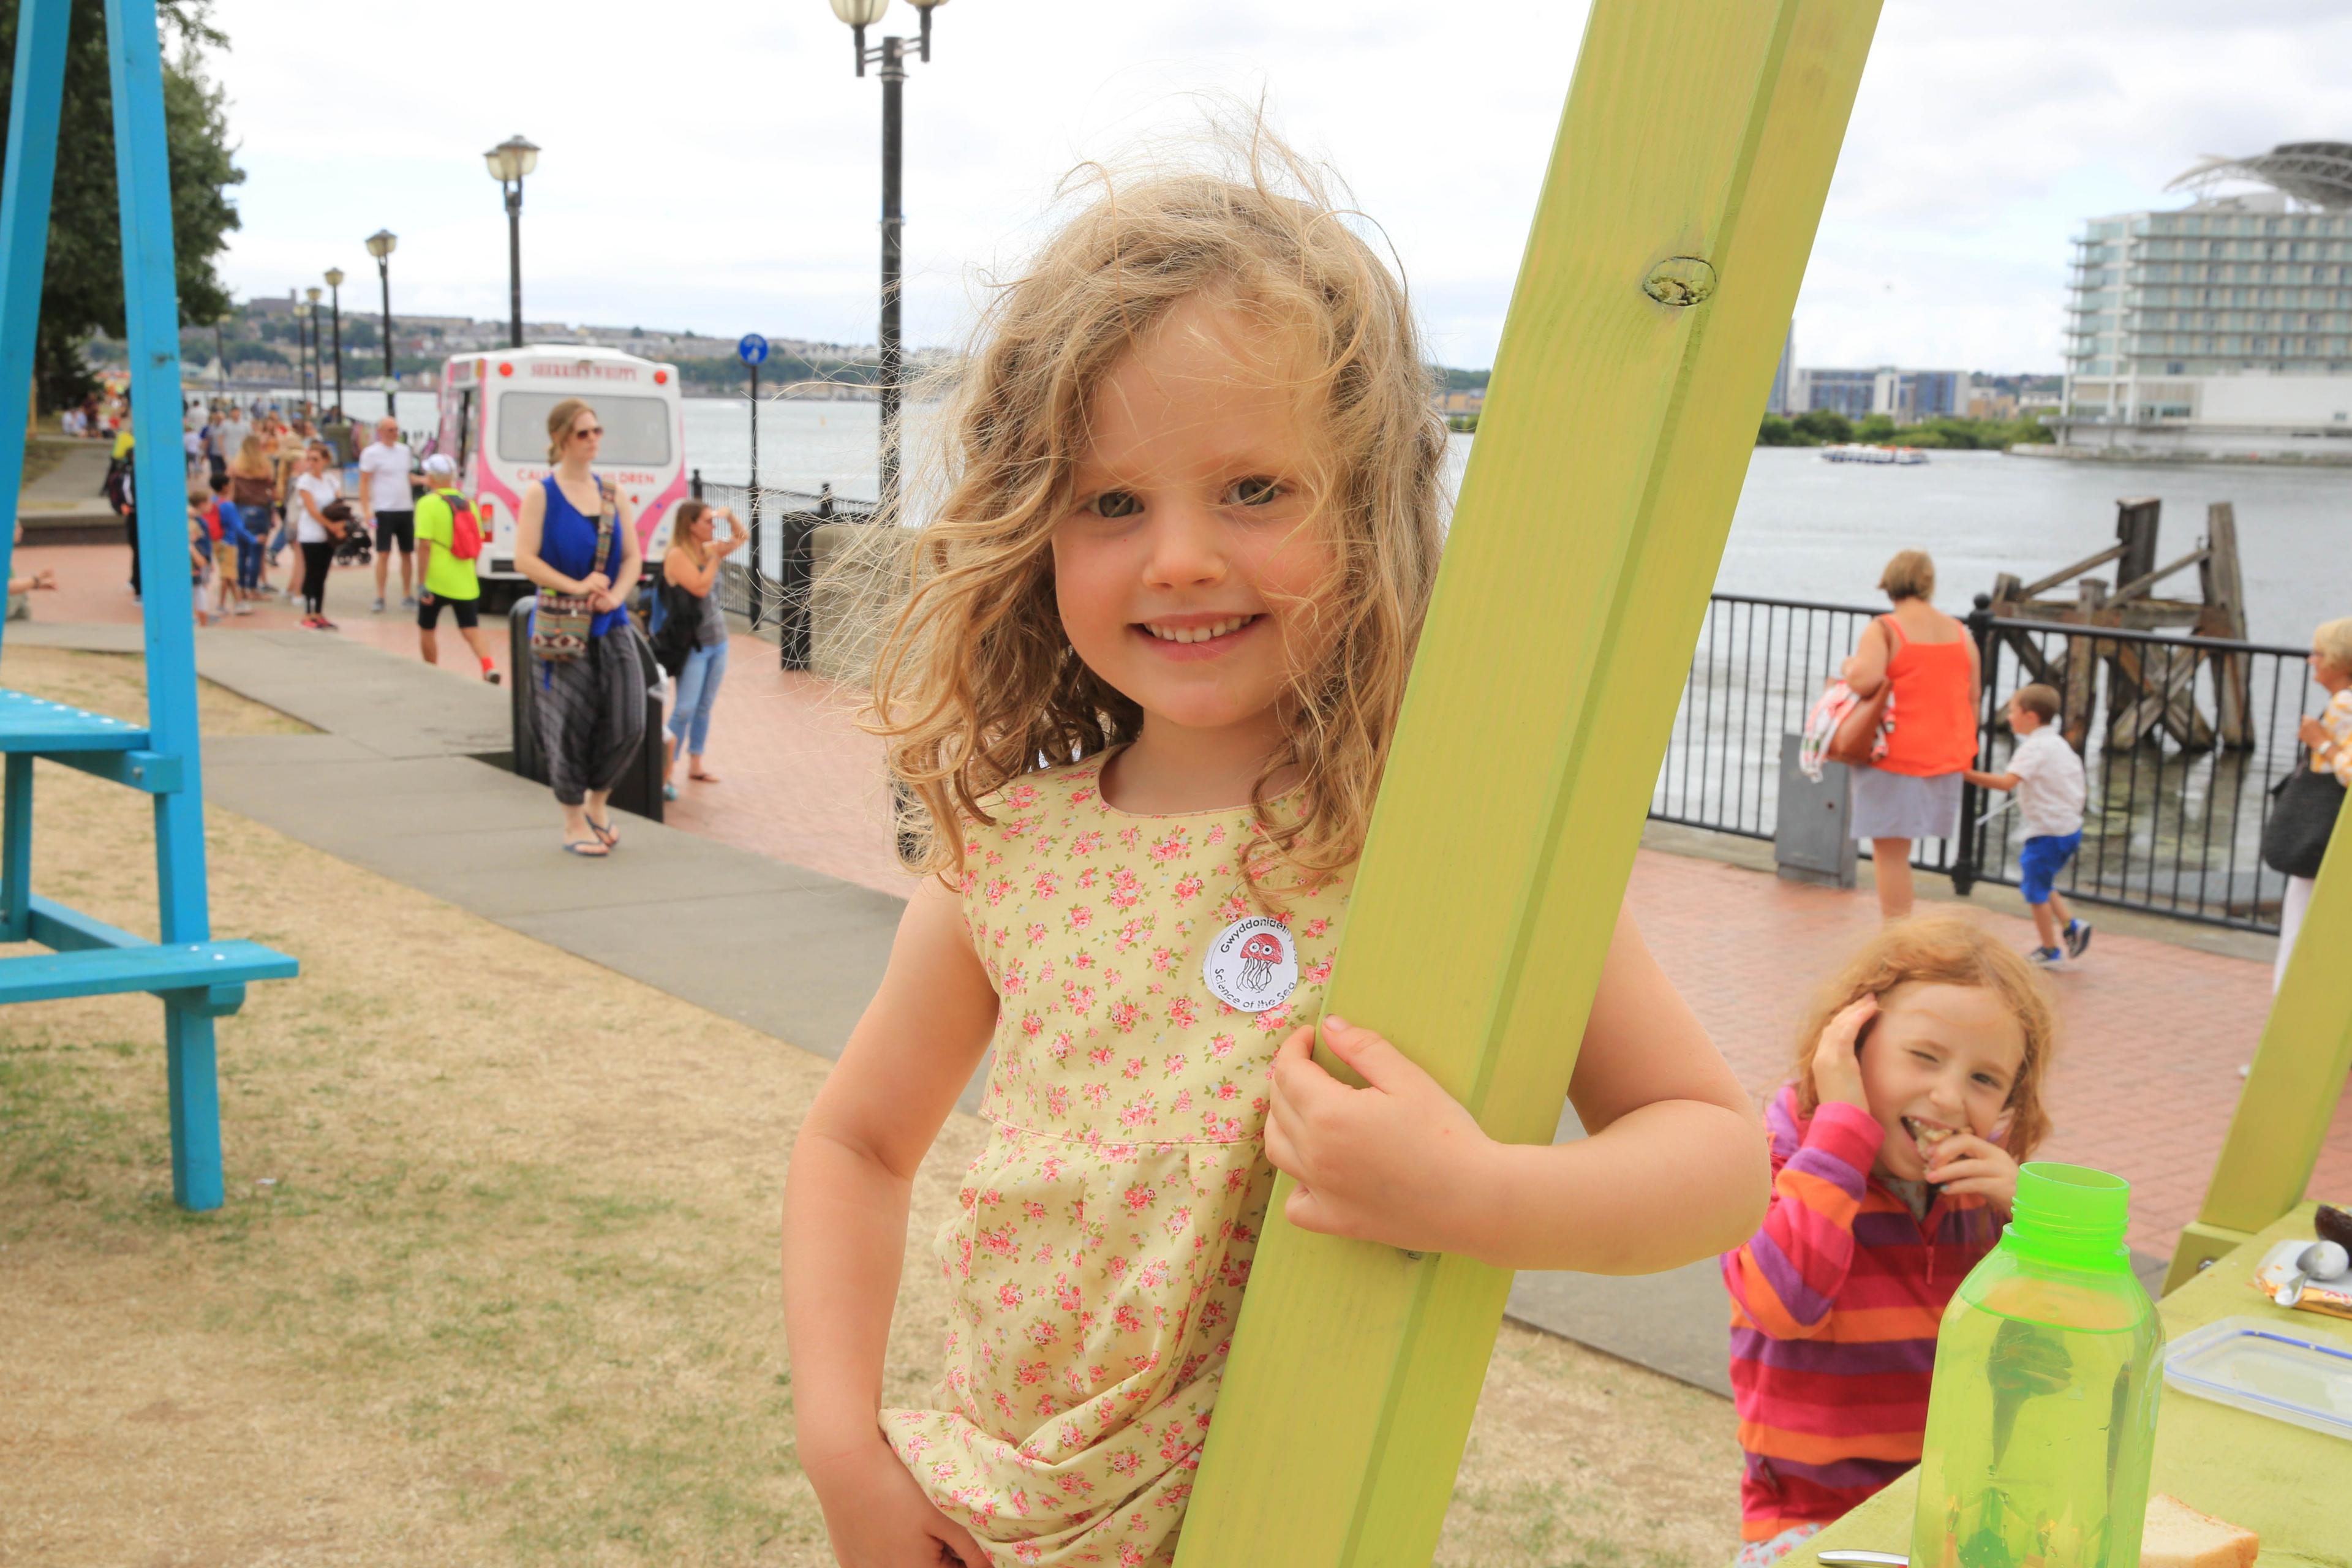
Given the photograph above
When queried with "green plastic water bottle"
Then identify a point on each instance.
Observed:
(2042, 1419)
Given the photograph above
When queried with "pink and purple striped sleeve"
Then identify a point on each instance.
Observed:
(1788, 1274)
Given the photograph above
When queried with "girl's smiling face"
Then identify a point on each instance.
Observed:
(1938, 1058)
(1182, 568)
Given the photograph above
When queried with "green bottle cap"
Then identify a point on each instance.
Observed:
(2070, 1212)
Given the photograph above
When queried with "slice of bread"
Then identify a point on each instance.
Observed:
(2178, 1536)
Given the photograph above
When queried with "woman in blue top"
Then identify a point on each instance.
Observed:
(575, 535)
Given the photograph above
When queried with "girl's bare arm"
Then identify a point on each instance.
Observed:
(853, 1167)
(680, 568)
(1674, 1168)
(1674, 1165)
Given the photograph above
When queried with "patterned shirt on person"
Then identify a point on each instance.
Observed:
(2336, 756)
(1108, 1225)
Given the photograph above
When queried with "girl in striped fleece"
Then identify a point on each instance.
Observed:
(1916, 1090)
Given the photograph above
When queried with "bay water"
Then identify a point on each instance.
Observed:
(1807, 529)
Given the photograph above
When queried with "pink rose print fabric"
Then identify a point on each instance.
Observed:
(1108, 1225)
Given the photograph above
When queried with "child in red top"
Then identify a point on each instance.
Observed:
(1917, 1089)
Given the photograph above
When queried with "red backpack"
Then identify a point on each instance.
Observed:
(464, 533)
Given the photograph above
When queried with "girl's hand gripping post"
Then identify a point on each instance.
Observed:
(1396, 1161)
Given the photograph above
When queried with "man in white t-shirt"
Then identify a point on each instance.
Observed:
(2051, 792)
(388, 491)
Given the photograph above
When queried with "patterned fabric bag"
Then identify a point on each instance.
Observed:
(559, 622)
(1844, 728)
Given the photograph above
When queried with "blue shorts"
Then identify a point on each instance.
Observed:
(2041, 861)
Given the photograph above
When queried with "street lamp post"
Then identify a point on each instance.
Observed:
(891, 57)
(510, 160)
(302, 354)
(316, 393)
(381, 245)
(335, 308)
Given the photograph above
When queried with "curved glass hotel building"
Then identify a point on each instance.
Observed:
(2223, 328)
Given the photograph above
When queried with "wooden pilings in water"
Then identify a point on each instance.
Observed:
(2145, 693)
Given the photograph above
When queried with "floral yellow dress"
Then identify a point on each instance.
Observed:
(1108, 1225)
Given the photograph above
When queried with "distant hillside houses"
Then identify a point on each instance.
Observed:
(268, 340)
(453, 334)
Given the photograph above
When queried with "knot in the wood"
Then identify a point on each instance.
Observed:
(1680, 280)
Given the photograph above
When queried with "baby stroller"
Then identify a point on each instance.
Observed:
(353, 547)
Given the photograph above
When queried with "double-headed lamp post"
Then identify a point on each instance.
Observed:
(335, 307)
(317, 391)
(381, 245)
(510, 160)
(891, 56)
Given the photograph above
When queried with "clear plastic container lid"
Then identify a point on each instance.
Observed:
(2287, 1371)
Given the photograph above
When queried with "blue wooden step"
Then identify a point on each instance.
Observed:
(29, 723)
(176, 966)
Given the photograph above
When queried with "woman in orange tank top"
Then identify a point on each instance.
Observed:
(1913, 792)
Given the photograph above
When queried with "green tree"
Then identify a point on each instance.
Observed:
(1825, 425)
(1778, 432)
(82, 292)
(1875, 428)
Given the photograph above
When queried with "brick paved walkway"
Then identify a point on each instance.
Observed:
(2154, 1032)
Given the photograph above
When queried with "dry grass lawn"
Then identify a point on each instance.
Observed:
(495, 1278)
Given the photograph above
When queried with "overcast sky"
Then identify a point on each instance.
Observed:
(713, 165)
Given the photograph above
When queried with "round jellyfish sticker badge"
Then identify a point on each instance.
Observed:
(1252, 965)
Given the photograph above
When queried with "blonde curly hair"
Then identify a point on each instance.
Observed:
(976, 682)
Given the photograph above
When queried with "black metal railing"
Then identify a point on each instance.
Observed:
(2181, 739)
(768, 583)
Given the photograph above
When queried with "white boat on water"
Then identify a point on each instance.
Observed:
(1857, 452)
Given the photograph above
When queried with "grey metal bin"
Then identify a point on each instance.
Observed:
(1811, 841)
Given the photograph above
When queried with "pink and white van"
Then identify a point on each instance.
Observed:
(494, 409)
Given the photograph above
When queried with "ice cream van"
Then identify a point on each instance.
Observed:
(494, 409)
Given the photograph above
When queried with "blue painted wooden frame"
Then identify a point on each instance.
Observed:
(164, 762)
(37, 97)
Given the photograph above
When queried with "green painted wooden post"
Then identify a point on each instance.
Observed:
(2293, 1087)
(1685, 187)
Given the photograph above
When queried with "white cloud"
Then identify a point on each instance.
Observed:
(715, 166)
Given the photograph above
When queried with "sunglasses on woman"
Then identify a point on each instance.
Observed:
(591, 430)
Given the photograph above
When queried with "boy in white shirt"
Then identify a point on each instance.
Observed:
(2048, 778)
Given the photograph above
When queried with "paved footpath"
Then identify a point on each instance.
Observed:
(67, 495)
(769, 898)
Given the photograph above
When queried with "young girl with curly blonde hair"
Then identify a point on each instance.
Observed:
(1144, 681)
(1914, 1093)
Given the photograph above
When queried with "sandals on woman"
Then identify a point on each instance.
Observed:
(603, 832)
(587, 849)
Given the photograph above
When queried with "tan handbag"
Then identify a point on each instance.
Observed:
(1857, 732)
(1856, 738)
